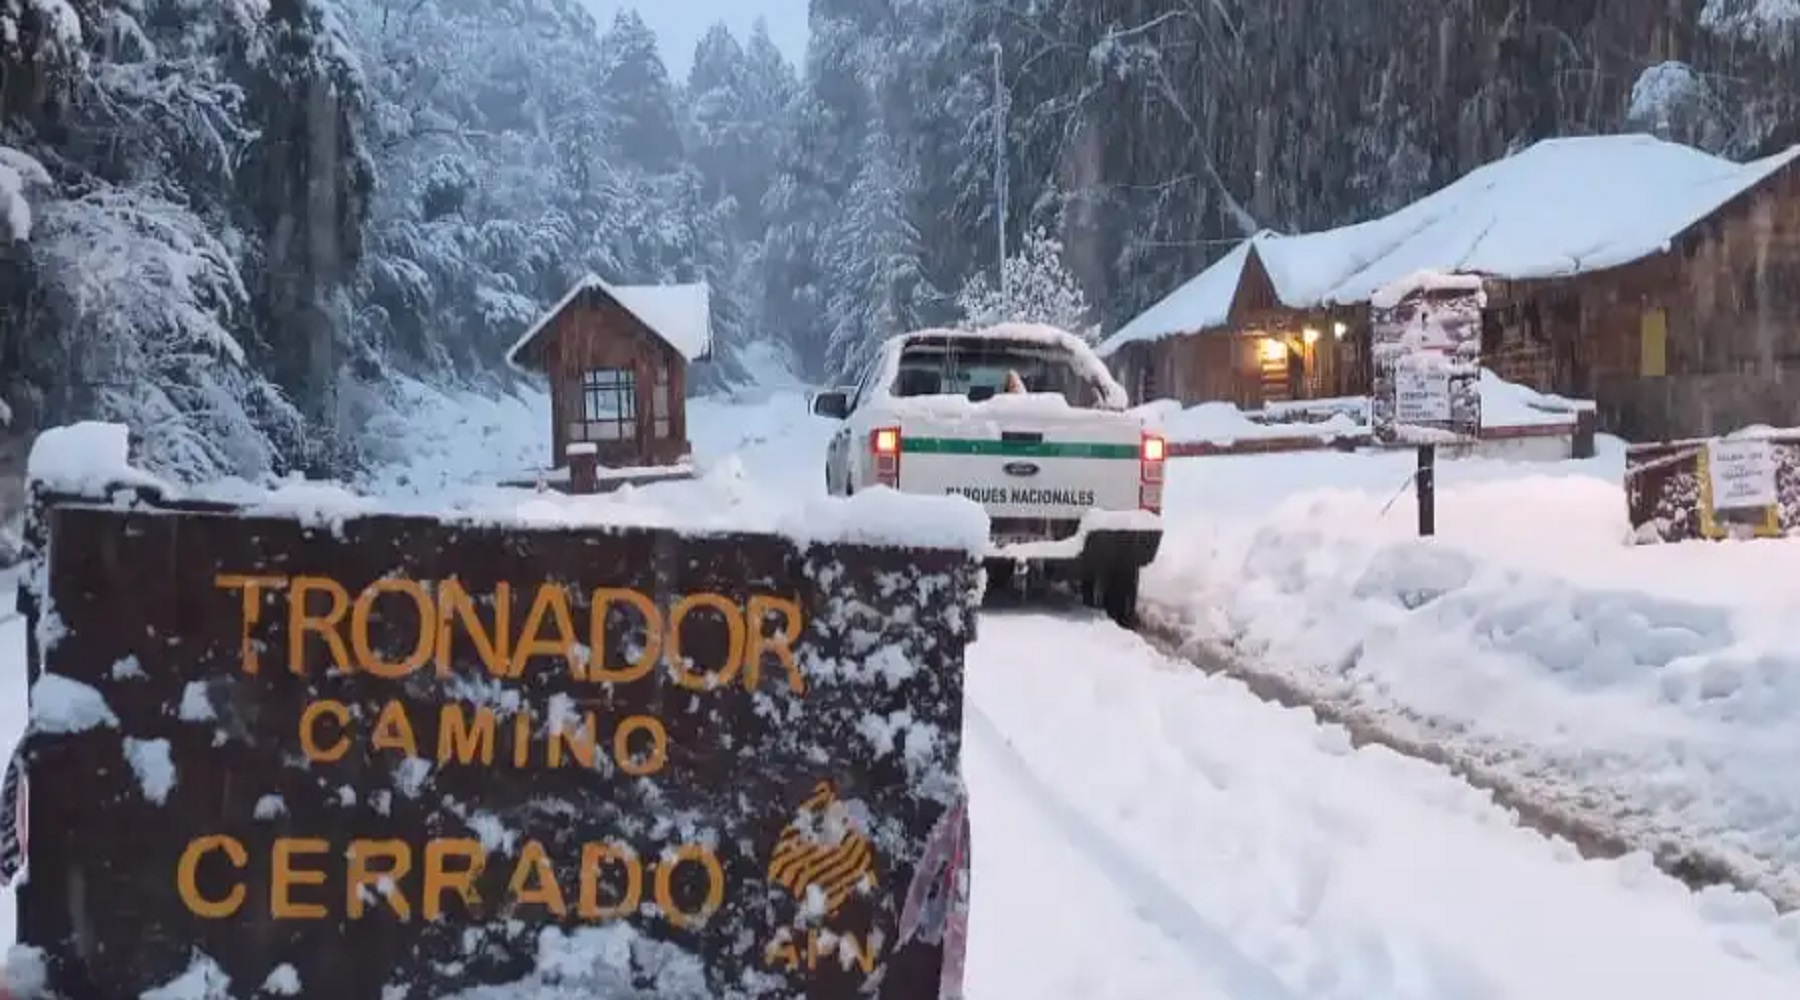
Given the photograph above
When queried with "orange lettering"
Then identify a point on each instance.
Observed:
(734, 647)
(781, 643)
(367, 657)
(301, 621)
(252, 586)
(187, 876)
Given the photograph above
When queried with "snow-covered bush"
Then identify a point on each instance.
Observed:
(1040, 288)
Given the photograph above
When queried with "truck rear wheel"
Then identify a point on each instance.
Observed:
(1113, 590)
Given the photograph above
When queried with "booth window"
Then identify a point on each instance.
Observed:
(608, 406)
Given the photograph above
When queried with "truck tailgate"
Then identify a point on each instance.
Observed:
(1026, 464)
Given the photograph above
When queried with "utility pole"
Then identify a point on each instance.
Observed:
(1000, 185)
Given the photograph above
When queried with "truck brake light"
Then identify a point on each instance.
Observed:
(1151, 454)
(884, 447)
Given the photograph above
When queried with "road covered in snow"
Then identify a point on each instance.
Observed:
(1144, 831)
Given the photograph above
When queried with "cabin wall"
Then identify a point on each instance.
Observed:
(1698, 341)
(1229, 366)
(594, 337)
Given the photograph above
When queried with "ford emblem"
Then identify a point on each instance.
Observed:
(1021, 468)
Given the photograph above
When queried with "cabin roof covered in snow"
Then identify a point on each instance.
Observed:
(1558, 208)
(679, 314)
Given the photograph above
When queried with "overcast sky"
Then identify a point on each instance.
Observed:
(680, 23)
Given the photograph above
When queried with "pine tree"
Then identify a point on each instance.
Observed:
(634, 84)
(872, 252)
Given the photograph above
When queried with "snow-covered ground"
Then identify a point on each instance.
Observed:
(1258, 857)
(1146, 832)
(1655, 685)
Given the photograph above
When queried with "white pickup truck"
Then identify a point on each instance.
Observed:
(1026, 421)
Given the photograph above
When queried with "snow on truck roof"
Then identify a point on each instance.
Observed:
(1558, 208)
(679, 314)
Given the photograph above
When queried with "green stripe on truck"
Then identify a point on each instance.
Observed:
(1015, 449)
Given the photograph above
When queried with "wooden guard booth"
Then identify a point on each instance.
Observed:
(617, 357)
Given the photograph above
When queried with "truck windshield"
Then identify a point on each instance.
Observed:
(979, 368)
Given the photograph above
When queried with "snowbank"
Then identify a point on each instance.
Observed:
(1659, 684)
(1503, 404)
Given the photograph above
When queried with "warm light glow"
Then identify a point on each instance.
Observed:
(1272, 349)
(1155, 448)
(887, 441)
(1310, 335)
(1338, 330)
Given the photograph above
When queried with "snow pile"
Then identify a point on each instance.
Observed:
(1503, 404)
(1508, 404)
(1559, 207)
(203, 980)
(88, 458)
(1225, 424)
(17, 173)
(1220, 847)
(1750, 19)
(728, 499)
(1658, 683)
(64, 705)
(607, 961)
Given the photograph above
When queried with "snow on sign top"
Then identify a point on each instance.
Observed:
(680, 314)
(89, 460)
(1558, 208)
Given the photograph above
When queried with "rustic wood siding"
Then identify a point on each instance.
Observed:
(594, 334)
(1730, 294)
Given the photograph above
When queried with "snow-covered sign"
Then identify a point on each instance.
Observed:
(1741, 473)
(1421, 390)
(1425, 344)
(406, 753)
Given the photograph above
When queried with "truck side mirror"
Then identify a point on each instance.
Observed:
(831, 403)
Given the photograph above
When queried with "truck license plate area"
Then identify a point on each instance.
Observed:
(1016, 530)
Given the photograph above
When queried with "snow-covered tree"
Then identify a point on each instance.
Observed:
(1039, 288)
(877, 284)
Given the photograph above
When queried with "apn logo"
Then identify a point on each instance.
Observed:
(822, 858)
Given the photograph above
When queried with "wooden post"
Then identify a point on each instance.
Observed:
(1425, 487)
(1587, 424)
(584, 467)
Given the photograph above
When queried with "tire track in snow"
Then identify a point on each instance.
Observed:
(1239, 975)
(1590, 834)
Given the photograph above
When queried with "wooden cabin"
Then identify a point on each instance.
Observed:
(1659, 281)
(617, 358)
